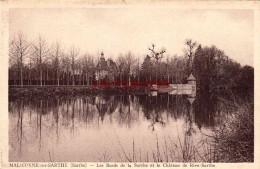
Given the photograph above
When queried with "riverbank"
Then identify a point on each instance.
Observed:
(234, 140)
(231, 142)
(32, 91)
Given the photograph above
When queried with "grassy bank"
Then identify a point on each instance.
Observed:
(234, 140)
(32, 91)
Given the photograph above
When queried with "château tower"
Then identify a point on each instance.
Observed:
(192, 81)
(102, 55)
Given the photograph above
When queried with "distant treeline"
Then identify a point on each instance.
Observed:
(37, 63)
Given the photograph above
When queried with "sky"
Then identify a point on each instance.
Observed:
(119, 30)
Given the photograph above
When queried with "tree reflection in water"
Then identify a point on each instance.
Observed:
(45, 122)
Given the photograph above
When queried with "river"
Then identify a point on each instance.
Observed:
(166, 127)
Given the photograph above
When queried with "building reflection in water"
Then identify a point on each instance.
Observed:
(35, 120)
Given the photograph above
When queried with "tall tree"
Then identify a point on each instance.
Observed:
(121, 67)
(147, 67)
(66, 65)
(56, 55)
(19, 49)
(190, 53)
(73, 53)
(130, 64)
(40, 52)
(158, 55)
(137, 70)
(84, 63)
(213, 69)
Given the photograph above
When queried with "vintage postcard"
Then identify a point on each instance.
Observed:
(129, 84)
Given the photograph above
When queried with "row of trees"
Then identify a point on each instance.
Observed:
(37, 63)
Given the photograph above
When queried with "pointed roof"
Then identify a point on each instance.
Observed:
(102, 64)
(191, 77)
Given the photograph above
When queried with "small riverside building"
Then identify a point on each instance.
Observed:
(191, 85)
(192, 81)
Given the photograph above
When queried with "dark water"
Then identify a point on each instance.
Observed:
(148, 127)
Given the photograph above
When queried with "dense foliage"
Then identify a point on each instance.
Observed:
(213, 69)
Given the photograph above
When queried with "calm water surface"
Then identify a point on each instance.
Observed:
(111, 127)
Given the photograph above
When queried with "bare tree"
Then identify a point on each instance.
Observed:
(190, 53)
(40, 52)
(130, 64)
(137, 70)
(66, 65)
(121, 67)
(29, 76)
(158, 56)
(167, 69)
(90, 68)
(83, 67)
(56, 55)
(19, 48)
(86, 65)
(73, 53)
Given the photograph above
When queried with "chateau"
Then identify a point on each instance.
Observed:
(105, 68)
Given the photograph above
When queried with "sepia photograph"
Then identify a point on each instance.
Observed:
(131, 85)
